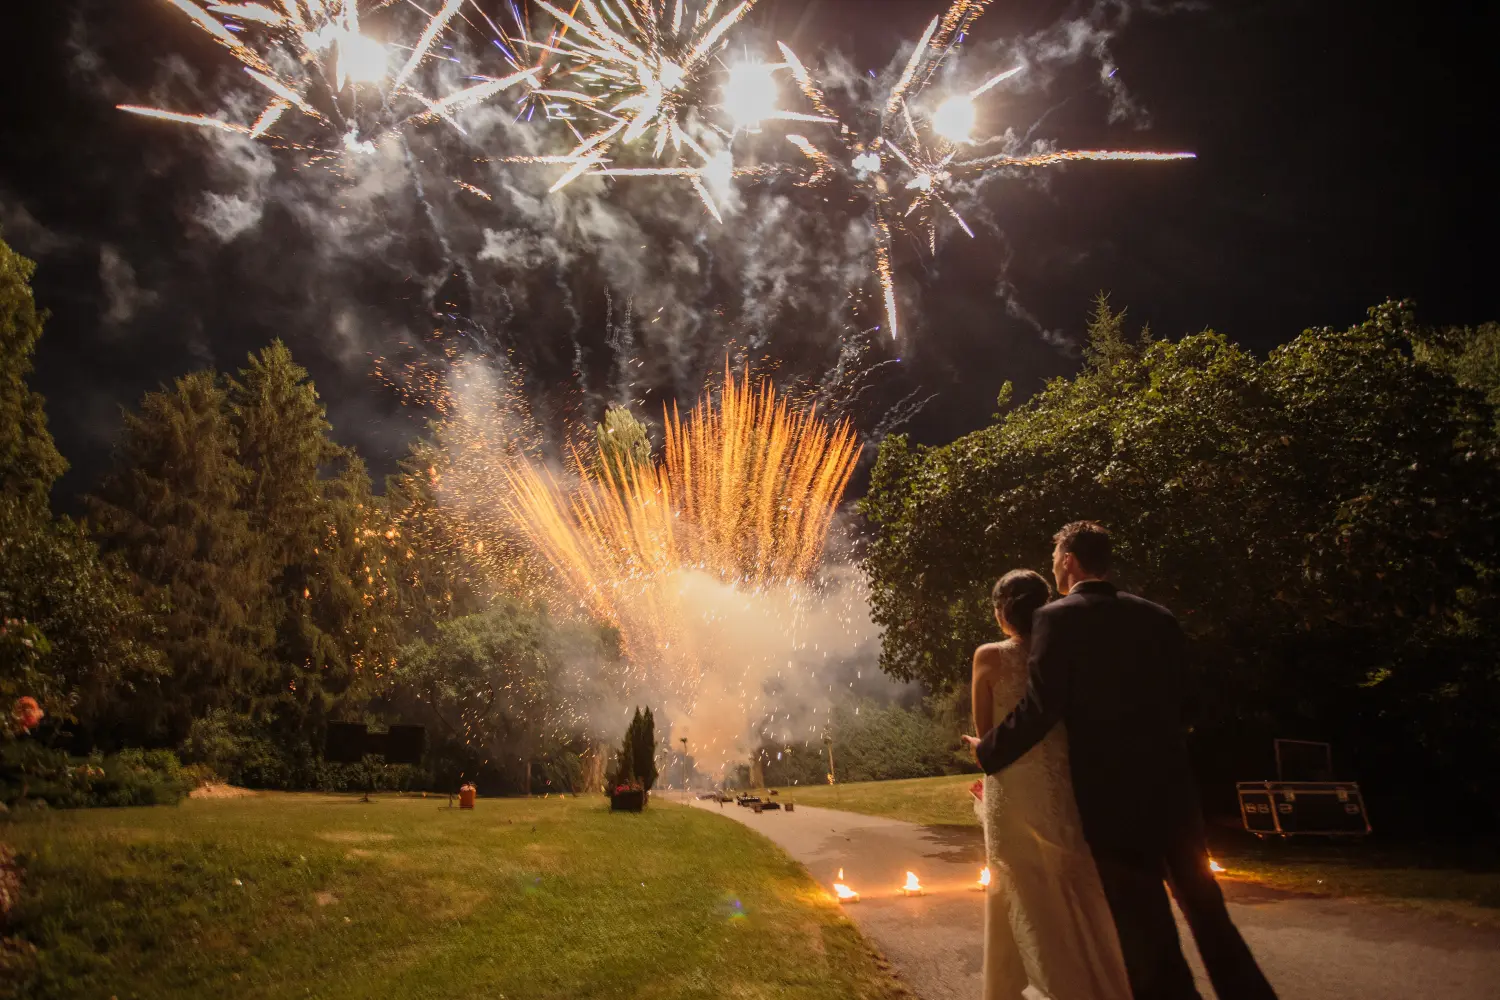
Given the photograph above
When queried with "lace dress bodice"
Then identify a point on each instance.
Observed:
(1047, 923)
(1034, 796)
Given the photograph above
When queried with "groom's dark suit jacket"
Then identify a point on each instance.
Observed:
(1110, 666)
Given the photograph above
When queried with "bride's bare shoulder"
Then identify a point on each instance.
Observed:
(995, 655)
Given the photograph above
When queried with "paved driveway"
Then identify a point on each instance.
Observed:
(1312, 948)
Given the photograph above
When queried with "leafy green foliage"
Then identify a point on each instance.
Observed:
(500, 689)
(236, 749)
(871, 742)
(93, 652)
(31, 773)
(1470, 354)
(432, 582)
(1316, 519)
(72, 636)
(29, 461)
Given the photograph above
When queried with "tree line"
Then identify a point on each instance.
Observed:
(237, 582)
(1324, 520)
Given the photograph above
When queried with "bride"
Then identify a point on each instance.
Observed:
(1046, 921)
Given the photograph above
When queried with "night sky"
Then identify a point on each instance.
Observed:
(1338, 163)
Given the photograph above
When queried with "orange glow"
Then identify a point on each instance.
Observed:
(1214, 866)
(745, 491)
(911, 887)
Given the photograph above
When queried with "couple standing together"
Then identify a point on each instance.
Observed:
(1089, 803)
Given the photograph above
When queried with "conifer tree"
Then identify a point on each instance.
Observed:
(1107, 342)
(309, 501)
(642, 743)
(171, 508)
(624, 446)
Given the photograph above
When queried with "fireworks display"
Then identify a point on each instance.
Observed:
(708, 559)
(907, 164)
(641, 89)
(642, 72)
(312, 58)
(736, 509)
(745, 492)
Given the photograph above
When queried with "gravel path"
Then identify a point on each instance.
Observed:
(1312, 948)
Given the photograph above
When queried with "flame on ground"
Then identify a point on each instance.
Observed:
(845, 894)
(984, 878)
(912, 886)
(1214, 866)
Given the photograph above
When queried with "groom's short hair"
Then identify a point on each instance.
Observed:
(1089, 543)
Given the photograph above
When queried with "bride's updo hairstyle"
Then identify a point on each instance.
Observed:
(1017, 595)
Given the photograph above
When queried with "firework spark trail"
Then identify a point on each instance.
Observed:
(636, 70)
(1064, 156)
(921, 149)
(342, 79)
(745, 490)
(741, 498)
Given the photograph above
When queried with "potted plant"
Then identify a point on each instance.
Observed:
(627, 797)
(629, 782)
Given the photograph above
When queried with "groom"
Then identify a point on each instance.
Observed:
(1110, 666)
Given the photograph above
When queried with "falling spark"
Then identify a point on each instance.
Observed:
(173, 116)
(313, 56)
(474, 190)
(745, 489)
(908, 164)
(743, 493)
(639, 72)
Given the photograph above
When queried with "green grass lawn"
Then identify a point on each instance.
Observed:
(1466, 885)
(323, 896)
(941, 801)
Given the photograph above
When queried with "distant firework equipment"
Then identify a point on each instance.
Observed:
(351, 742)
(1291, 807)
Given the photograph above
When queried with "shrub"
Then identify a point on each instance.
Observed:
(35, 773)
(232, 747)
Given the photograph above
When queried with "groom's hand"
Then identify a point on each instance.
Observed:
(973, 744)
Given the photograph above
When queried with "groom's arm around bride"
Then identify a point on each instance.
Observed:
(1110, 667)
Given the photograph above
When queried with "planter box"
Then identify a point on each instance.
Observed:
(627, 801)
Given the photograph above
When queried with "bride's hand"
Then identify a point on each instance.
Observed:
(972, 741)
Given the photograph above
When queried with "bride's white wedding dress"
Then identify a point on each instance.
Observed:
(1046, 921)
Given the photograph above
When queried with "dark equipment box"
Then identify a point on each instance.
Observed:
(1288, 808)
(1304, 799)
